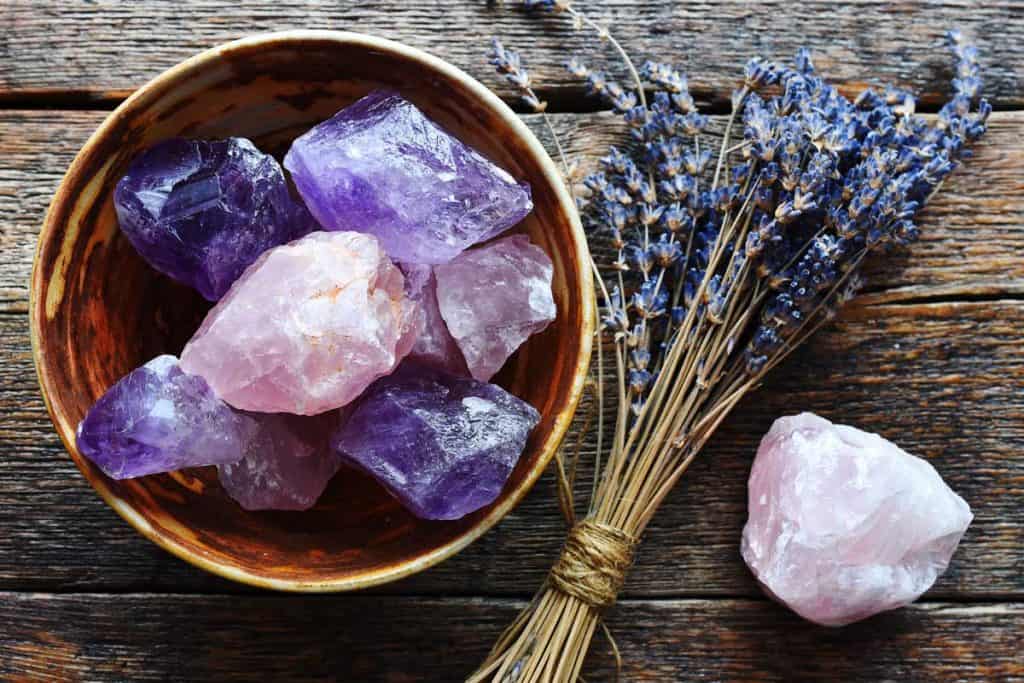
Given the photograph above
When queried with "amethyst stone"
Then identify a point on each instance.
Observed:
(380, 166)
(443, 445)
(287, 463)
(201, 211)
(159, 419)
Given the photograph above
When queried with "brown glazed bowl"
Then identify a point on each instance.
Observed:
(98, 311)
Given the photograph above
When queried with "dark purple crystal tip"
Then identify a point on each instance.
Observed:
(157, 419)
(443, 445)
(201, 211)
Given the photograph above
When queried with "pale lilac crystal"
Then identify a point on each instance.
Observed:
(844, 524)
(380, 166)
(493, 298)
(307, 327)
(158, 419)
(435, 345)
(443, 445)
(287, 463)
(417, 275)
(201, 211)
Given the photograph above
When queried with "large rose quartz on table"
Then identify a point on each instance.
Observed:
(493, 298)
(307, 327)
(380, 166)
(287, 465)
(159, 419)
(435, 345)
(843, 524)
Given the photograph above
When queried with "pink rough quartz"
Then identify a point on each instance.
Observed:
(435, 346)
(287, 463)
(493, 298)
(307, 327)
(844, 524)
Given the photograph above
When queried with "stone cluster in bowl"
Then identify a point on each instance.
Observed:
(363, 329)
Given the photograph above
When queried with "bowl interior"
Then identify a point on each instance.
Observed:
(99, 311)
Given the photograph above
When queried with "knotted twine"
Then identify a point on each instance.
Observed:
(593, 563)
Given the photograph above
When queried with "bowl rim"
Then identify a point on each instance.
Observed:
(141, 98)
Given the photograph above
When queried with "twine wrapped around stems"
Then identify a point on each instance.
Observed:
(593, 563)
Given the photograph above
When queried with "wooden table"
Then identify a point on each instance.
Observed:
(931, 356)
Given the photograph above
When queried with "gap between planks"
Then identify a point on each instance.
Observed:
(560, 101)
(517, 598)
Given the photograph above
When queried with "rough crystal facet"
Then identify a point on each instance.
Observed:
(307, 327)
(158, 419)
(380, 166)
(435, 345)
(201, 211)
(443, 445)
(287, 463)
(844, 524)
(493, 298)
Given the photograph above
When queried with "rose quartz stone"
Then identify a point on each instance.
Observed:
(844, 524)
(493, 298)
(435, 346)
(307, 327)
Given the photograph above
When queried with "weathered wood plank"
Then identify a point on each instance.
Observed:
(971, 233)
(351, 638)
(942, 380)
(87, 49)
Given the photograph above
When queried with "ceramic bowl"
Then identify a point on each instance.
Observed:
(98, 311)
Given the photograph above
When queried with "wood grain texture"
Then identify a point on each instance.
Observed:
(943, 380)
(85, 50)
(353, 638)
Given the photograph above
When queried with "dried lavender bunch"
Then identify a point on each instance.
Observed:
(722, 264)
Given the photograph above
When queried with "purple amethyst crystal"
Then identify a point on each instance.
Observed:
(159, 419)
(380, 166)
(443, 445)
(201, 211)
(287, 463)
